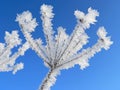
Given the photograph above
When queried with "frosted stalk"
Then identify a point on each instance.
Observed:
(61, 50)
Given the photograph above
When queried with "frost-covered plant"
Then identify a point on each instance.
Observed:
(7, 58)
(62, 51)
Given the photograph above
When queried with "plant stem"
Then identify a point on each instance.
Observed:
(49, 80)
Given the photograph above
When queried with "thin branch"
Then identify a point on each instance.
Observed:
(69, 43)
(34, 46)
(88, 52)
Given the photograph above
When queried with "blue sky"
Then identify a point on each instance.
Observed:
(104, 70)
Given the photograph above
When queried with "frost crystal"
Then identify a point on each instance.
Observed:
(86, 19)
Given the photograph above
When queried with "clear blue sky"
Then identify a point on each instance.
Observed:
(104, 70)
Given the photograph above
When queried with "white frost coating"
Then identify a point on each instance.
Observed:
(24, 48)
(62, 51)
(49, 80)
(36, 45)
(62, 35)
(46, 10)
(102, 34)
(83, 57)
(26, 22)
(7, 59)
(2, 46)
(12, 39)
(76, 42)
(87, 19)
(61, 40)
(47, 15)
(18, 67)
(28, 25)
